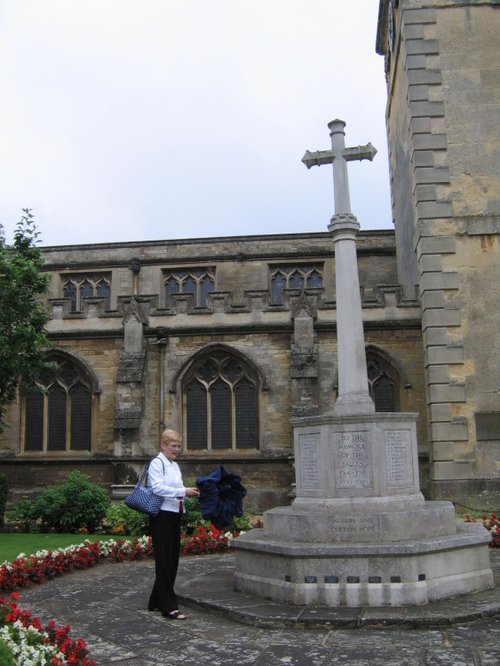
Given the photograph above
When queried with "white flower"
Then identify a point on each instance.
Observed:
(28, 646)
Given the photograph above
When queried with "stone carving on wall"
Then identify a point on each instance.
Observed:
(304, 360)
(130, 383)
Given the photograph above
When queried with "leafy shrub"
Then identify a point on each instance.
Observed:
(121, 519)
(4, 489)
(24, 516)
(75, 504)
(241, 524)
(191, 517)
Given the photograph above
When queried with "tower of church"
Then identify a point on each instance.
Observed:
(443, 124)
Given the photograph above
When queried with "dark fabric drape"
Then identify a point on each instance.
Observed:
(221, 496)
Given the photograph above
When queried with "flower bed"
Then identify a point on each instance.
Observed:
(492, 524)
(32, 643)
(206, 538)
(48, 564)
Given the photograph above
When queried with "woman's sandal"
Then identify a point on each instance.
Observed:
(175, 615)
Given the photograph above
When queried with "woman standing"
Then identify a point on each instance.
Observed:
(165, 479)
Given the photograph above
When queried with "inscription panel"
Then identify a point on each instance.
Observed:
(353, 468)
(398, 458)
(345, 528)
(309, 468)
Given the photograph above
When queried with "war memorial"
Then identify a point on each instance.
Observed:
(359, 532)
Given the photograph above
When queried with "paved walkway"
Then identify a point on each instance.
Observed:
(106, 606)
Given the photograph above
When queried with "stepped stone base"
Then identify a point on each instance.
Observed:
(372, 520)
(363, 574)
(360, 532)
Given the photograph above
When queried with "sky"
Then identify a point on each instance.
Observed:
(129, 120)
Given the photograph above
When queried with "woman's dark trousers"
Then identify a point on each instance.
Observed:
(165, 530)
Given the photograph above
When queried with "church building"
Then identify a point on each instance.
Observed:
(227, 339)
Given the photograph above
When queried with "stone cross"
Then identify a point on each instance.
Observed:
(339, 155)
(353, 396)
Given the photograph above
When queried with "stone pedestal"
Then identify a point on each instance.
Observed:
(359, 532)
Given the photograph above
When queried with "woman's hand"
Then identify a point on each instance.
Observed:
(192, 492)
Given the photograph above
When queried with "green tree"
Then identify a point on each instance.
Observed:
(23, 336)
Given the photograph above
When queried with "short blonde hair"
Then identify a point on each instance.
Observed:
(169, 434)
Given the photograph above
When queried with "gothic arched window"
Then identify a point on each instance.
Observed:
(59, 417)
(199, 282)
(295, 276)
(220, 403)
(79, 286)
(384, 382)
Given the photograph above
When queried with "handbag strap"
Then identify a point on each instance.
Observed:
(143, 477)
(142, 481)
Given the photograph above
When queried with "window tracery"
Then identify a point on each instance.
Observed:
(220, 403)
(294, 276)
(199, 282)
(384, 383)
(58, 418)
(78, 286)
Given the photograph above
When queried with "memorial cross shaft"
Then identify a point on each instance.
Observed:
(353, 395)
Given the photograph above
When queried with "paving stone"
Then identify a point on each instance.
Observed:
(474, 631)
(450, 657)
(394, 637)
(368, 655)
(489, 656)
(294, 656)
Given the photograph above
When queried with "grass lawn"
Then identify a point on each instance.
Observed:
(13, 544)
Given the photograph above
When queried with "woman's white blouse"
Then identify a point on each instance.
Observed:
(166, 480)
